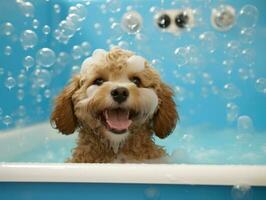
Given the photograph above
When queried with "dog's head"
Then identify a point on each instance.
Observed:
(115, 93)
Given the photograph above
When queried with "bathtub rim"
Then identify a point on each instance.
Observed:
(180, 174)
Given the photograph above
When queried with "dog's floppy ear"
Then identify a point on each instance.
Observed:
(63, 116)
(164, 120)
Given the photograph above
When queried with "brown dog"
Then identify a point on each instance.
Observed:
(117, 102)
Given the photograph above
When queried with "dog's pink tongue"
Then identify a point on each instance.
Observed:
(118, 119)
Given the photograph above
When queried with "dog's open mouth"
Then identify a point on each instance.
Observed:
(117, 120)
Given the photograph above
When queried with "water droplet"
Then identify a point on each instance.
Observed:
(20, 94)
(232, 111)
(35, 23)
(131, 22)
(223, 17)
(7, 120)
(57, 8)
(209, 41)
(76, 52)
(8, 50)
(28, 62)
(244, 124)
(42, 77)
(26, 8)
(28, 39)
(230, 91)
(260, 85)
(46, 29)
(10, 82)
(241, 192)
(248, 16)
(45, 57)
(7, 29)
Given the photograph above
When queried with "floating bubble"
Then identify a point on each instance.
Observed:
(248, 16)
(7, 120)
(75, 69)
(21, 80)
(63, 58)
(233, 48)
(42, 77)
(47, 93)
(98, 28)
(180, 93)
(76, 52)
(209, 41)
(113, 5)
(35, 23)
(26, 8)
(241, 192)
(38, 98)
(28, 62)
(207, 78)
(223, 17)
(260, 85)
(74, 22)
(248, 56)
(46, 29)
(230, 91)
(10, 82)
(21, 111)
(57, 8)
(228, 65)
(232, 111)
(86, 48)
(181, 56)
(28, 39)
(123, 44)
(131, 22)
(45, 57)
(2, 71)
(79, 10)
(7, 29)
(189, 78)
(8, 50)
(244, 124)
(20, 94)
(243, 73)
(247, 35)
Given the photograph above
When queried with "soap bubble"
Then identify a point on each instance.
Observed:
(230, 91)
(207, 79)
(244, 124)
(45, 57)
(232, 111)
(74, 22)
(223, 17)
(63, 58)
(131, 22)
(75, 69)
(116, 31)
(21, 80)
(247, 35)
(76, 52)
(26, 8)
(248, 16)
(35, 23)
(8, 50)
(189, 78)
(79, 10)
(46, 29)
(28, 62)
(248, 56)
(86, 48)
(233, 48)
(260, 85)
(57, 8)
(7, 29)
(123, 44)
(38, 98)
(21, 111)
(243, 73)
(209, 41)
(181, 56)
(42, 77)
(28, 39)
(7, 120)
(228, 65)
(98, 28)
(20, 94)
(10, 82)
(241, 192)
(113, 5)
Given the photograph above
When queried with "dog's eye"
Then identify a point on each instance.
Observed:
(136, 80)
(98, 81)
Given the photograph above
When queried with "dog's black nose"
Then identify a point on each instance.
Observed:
(120, 94)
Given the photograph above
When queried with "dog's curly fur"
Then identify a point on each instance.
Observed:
(81, 103)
